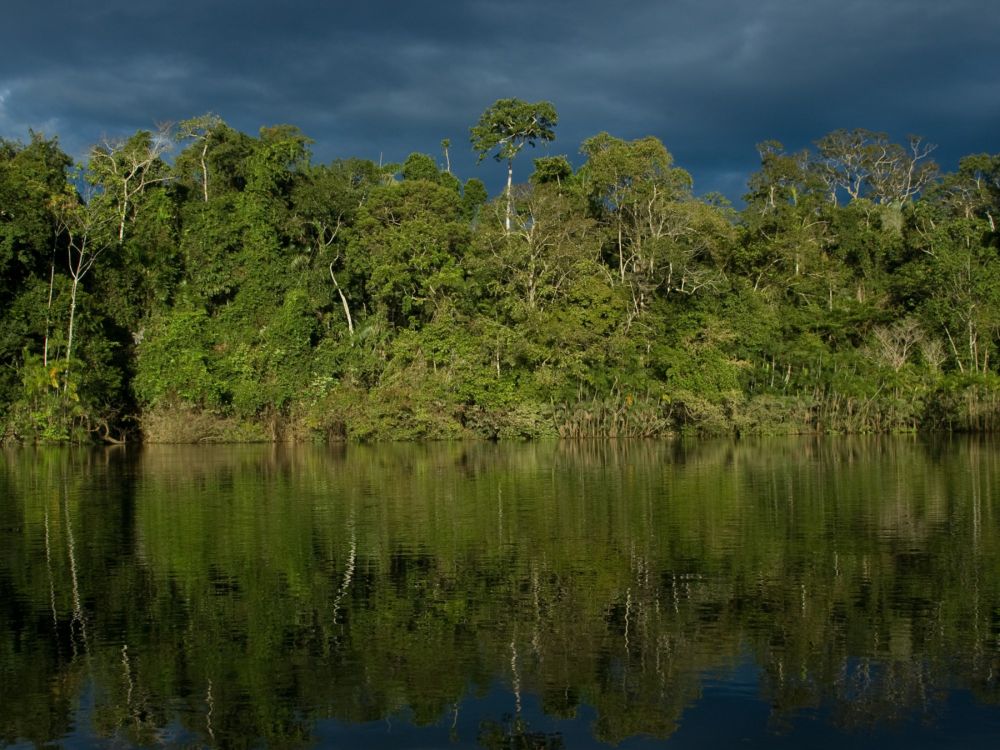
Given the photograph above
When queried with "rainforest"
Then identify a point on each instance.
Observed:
(194, 283)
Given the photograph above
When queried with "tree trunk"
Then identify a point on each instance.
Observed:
(510, 196)
(48, 308)
(343, 301)
(621, 252)
(204, 171)
(69, 332)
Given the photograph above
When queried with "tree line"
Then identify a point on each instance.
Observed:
(196, 283)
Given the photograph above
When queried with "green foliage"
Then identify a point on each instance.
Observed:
(271, 372)
(406, 245)
(474, 196)
(420, 167)
(173, 362)
(48, 408)
(510, 124)
(247, 292)
(551, 169)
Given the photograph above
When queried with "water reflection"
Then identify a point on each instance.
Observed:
(540, 595)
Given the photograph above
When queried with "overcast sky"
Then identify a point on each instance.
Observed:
(710, 78)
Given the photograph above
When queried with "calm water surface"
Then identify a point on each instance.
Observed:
(778, 593)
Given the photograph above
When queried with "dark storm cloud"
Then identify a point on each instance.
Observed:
(711, 78)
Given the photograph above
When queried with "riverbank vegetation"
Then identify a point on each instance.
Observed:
(196, 283)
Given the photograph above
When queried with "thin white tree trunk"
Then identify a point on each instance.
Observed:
(343, 301)
(69, 333)
(48, 308)
(204, 171)
(510, 196)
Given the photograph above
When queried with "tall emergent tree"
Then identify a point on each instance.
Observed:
(506, 127)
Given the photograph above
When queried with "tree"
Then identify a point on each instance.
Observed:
(324, 201)
(125, 168)
(445, 145)
(957, 285)
(864, 163)
(420, 167)
(548, 169)
(474, 195)
(552, 243)
(974, 190)
(29, 177)
(636, 186)
(201, 131)
(505, 128)
(82, 223)
(786, 226)
(406, 246)
(784, 179)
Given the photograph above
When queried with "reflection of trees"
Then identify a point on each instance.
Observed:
(511, 733)
(245, 591)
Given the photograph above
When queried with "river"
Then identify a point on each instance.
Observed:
(783, 592)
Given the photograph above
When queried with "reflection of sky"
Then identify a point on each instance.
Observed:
(497, 707)
(709, 77)
(729, 713)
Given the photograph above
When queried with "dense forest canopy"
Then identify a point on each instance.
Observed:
(197, 283)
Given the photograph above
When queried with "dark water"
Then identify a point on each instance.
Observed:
(785, 593)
